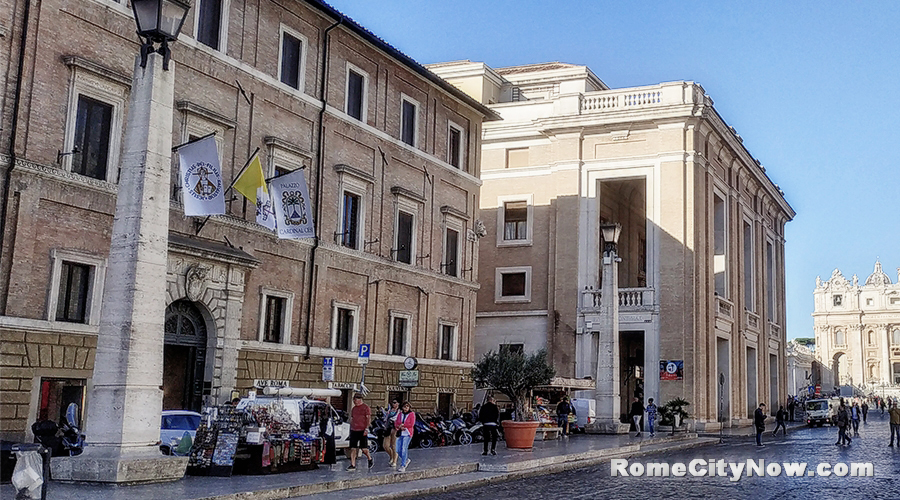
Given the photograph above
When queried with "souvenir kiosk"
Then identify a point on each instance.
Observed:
(277, 432)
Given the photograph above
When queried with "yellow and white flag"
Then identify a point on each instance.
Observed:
(252, 184)
(201, 178)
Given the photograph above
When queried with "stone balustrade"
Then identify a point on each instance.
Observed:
(630, 299)
(636, 97)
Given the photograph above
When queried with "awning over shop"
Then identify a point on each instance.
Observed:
(567, 384)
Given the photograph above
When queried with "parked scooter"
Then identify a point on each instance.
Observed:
(378, 430)
(425, 434)
(64, 440)
(461, 433)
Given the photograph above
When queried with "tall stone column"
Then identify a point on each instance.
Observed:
(125, 404)
(606, 392)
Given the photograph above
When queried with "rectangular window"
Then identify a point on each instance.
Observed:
(720, 266)
(837, 300)
(398, 340)
(209, 22)
(770, 281)
(446, 342)
(454, 146)
(408, 122)
(350, 224)
(74, 285)
(451, 251)
(344, 329)
(749, 303)
(355, 89)
(274, 319)
(513, 348)
(405, 229)
(291, 47)
(93, 123)
(513, 285)
(515, 220)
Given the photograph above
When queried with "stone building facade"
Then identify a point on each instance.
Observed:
(857, 328)
(701, 279)
(391, 154)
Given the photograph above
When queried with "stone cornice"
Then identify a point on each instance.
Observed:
(97, 69)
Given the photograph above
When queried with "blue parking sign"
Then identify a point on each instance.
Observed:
(364, 350)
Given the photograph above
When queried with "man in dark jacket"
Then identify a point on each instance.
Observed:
(489, 416)
(843, 421)
(759, 420)
(563, 409)
(637, 413)
(779, 422)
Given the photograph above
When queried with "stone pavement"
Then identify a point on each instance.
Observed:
(443, 468)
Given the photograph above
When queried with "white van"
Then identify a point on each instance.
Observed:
(821, 411)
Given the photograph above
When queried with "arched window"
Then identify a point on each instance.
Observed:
(871, 337)
(838, 337)
(895, 338)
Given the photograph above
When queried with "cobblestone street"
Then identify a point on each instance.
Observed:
(810, 445)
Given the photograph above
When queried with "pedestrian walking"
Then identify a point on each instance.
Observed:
(326, 430)
(563, 409)
(651, 415)
(405, 424)
(390, 438)
(759, 420)
(843, 420)
(895, 424)
(360, 416)
(855, 414)
(779, 422)
(865, 410)
(791, 405)
(637, 413)
(489, 416)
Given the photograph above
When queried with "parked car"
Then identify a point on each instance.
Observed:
(173, 426)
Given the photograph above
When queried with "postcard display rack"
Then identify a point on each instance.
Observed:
(259, 439)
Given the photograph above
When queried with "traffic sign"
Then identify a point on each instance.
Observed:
(364, 351)
(328, 369)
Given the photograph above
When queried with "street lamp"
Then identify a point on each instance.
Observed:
(158, 21)
(125, 405)
(606, 388)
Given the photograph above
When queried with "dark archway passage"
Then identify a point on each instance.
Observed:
(184, 357)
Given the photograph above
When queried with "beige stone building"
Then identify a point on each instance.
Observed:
(391, 154)
(701, 280)
(858, 328)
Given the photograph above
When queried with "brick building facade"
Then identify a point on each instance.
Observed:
(391, 154)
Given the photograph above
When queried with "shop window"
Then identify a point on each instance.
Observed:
(56, 395)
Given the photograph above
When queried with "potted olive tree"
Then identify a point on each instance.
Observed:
(515, 374)
(673, 413)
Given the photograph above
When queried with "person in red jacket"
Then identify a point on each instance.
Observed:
(405, 426)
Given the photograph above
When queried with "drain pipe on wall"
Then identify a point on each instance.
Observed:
(320, 167)
(14, 131)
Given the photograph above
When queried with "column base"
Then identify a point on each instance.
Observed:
(115, 465)
(606, 427)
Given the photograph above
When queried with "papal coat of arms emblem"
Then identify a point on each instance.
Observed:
(203, 181)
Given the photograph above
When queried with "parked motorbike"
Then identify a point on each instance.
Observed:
(64, 440)
(379, 429)
(425, 434)
(461, 433)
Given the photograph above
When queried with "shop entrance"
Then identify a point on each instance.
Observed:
(56, 394)
(445, 401)
(631, 364)
(184, 357)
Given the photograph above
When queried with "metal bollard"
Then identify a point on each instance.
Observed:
(45, 462)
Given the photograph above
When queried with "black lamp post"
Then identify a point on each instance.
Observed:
(159, 21)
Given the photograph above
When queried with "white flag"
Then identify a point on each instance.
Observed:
(265, 216)
(201, 178)
(290, 198)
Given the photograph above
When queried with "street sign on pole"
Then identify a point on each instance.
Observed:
(409, 378)
(364, 350)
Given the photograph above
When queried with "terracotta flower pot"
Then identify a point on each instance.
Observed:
(519, 434)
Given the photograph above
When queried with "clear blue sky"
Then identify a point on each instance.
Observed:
(813, 87)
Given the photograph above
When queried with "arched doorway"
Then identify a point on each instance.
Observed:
(184, 357)
(841, 369)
